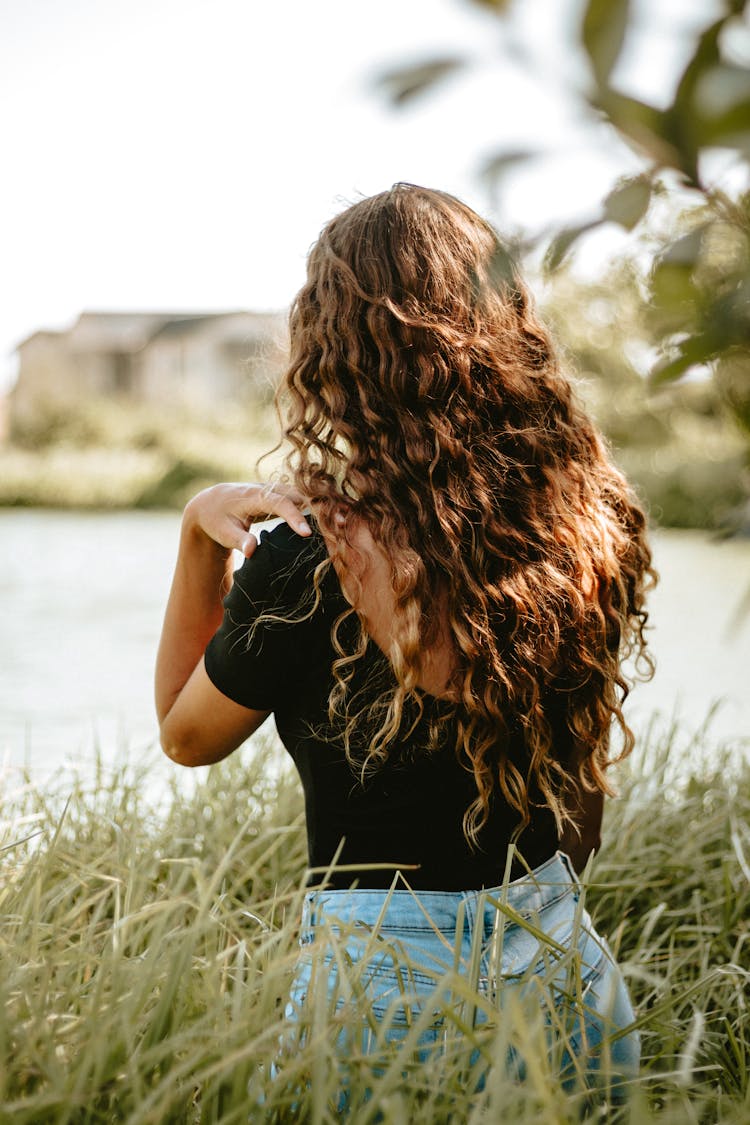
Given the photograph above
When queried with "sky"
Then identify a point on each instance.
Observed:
(184, 154)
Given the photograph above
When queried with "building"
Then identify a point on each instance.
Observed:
(193, 363)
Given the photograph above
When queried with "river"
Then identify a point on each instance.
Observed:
(83, 596)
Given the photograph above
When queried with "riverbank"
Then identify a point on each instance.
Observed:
(109, 456)
(146, 956)
(698, 493)
(106, 455)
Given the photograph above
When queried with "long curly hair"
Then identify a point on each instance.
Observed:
(423, 397)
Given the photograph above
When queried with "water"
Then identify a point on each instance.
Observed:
(83, 597)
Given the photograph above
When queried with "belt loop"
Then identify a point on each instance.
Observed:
(568, 865)
(310, 911)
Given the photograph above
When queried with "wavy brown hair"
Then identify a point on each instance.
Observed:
(424, 398)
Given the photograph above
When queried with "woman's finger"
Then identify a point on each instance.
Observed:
(272, 493)
(278, 488)
(248, 546)
(293, 516)
(267, 500)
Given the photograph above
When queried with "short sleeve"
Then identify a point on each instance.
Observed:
(253, 656)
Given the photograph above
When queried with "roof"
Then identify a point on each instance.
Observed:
(130, 331)
(40, 334)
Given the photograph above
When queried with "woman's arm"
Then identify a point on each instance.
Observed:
(197, 723)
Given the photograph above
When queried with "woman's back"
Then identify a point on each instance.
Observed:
(365, 575)
(274, 652)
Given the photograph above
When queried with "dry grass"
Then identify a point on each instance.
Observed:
(146, 954)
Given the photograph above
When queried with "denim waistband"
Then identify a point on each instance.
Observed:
(434, 909)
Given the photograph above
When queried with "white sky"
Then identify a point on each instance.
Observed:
(183, 154)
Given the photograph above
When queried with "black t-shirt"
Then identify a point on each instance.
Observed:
(410, 810)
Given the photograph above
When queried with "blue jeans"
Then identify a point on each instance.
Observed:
(395, 957)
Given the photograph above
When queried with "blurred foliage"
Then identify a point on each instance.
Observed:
(105, 453)
(676, 441)
(697, 287)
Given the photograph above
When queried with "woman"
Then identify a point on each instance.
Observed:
(440, 641)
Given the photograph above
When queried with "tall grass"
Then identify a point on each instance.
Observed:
(146, 953)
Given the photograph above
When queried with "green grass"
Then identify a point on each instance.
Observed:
(145, 956)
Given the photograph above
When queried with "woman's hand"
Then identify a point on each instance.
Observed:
(197, 723)
(224, 513)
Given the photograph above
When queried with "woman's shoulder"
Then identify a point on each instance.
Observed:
(283, 567)
(281, 546)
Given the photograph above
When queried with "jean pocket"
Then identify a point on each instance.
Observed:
(520, 943)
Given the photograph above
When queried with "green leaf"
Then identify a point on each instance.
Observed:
(731, 130)
(721, 100)
(675, 299)
(562, 243)
(720, 88)
(641, 123)
(704, 347)
(496, 166)
(405, 83)
(689, 353)
(605, 23)
(683, 116)
(705, 57)
(628, 203)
